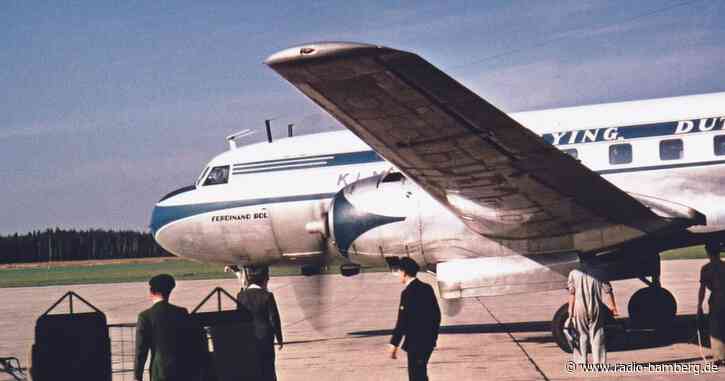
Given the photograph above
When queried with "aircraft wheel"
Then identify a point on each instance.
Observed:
(652, 308)
(557, 328)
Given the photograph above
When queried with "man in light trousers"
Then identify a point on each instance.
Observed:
(587, 296)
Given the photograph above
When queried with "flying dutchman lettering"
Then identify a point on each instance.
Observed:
(635, 132)
(572, 137)
(557, 137)
(590, 135)
(582, 136)
(611, 133)
(704, 126)
(684, 126)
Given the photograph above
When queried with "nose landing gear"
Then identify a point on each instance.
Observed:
(249, 274)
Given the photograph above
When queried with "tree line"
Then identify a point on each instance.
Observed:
(77, 245)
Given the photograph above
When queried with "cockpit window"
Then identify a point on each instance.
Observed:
(201, 177)
(217, 175)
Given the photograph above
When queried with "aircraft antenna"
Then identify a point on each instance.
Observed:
(231, 139)
(269, 129)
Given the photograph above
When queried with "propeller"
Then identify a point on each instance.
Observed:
(312, 289)
(313, 297)
(313, 292)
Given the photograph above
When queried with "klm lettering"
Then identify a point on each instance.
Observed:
(347, 178)
(701, 125)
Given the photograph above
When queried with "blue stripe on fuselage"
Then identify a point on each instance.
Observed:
(163, 215)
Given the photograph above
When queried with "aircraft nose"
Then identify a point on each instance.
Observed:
(162, 214)
(156, 220)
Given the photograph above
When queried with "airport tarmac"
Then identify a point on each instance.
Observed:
(502, 338)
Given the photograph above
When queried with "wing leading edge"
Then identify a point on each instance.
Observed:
(501, 179)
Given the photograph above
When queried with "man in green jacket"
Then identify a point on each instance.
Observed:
(165, 330)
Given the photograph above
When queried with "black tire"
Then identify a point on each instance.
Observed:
(557, 327)
(652, 308)
(348, 270)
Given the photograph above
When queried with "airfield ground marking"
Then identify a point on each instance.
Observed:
(508, 332)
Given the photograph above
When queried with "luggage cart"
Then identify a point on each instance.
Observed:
(230, 354)
(71, 346)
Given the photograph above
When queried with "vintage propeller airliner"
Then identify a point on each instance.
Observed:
(489, 203)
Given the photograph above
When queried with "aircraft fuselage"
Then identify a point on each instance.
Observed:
(671, 149)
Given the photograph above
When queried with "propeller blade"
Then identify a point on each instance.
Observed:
(313, 298)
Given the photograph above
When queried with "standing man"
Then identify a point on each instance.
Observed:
(265, 317)
(587, 296)
(164, 329)
(712, 277)
(419, 320)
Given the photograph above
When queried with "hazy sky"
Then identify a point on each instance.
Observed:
(106, 106)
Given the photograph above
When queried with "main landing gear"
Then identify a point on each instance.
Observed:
(650, 308)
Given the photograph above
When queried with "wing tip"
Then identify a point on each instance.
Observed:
(317, 50)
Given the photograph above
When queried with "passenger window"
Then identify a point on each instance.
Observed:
(720, 145)
(571, 152)
(620, 154)
(671, 149)
(218, 175)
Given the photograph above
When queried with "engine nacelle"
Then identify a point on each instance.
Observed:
(376, 217)
(388, 216)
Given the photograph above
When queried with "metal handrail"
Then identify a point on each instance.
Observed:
(70, 295)
(218, 291)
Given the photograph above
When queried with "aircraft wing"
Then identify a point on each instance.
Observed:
(500, 178)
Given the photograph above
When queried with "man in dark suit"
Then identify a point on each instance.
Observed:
(265, 317)
(419, 320)
(164, 329)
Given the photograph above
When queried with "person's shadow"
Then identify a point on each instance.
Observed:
(620, 335)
